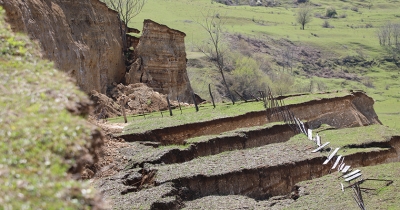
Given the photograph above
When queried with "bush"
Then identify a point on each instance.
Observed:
(247, 78)
(368, 82)
(344, 15)
(317, 15)
(326, 24)
(330, 12)
(355, 9)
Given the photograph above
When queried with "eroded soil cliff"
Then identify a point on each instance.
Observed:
(82, 37)
(160, 61)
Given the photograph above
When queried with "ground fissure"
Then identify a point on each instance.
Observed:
(256, 161)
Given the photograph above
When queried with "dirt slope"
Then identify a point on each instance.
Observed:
(45, 142)
(82, 38)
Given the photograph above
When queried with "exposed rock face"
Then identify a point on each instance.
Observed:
(160, 61)
(82, 37)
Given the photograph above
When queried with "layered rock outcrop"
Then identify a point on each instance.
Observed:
(160, 61)
(82, 37)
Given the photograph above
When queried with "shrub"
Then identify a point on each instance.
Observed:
(247, 78)
(355, 9)
(344, 15)
(317, 15)
(326, 24)
(368, 82)
(330, 12)
(368, 25)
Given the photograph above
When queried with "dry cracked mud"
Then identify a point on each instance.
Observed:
(251, 161)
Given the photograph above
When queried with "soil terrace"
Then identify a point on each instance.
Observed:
(259, 158)
(351, 110)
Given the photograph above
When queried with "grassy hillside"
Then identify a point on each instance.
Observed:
(352, 35)
(39, 139)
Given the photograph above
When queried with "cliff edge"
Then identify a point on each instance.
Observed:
(82, 37)
(160, 61)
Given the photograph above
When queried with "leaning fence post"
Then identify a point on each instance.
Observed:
(141, 106)
(241, 97)
(180, 108)
(212, 97)
(169, 107)
(195, 103)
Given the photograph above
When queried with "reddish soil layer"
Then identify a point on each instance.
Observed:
(258, 163)
(348, 111)
(217, 144)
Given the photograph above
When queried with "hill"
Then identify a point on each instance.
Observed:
(45, 141)
(346, 55)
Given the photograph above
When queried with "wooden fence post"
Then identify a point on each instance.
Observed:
(212, 98)
(169, 106)
(195, 103)
(177, 98)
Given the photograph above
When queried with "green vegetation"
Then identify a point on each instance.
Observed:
(326, 193)
(39, 138)
(342, 138)
(154, 120)
(345, 48)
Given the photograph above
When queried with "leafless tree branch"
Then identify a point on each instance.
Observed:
(213, 25)
(127, 9)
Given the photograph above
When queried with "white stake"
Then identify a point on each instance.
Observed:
(331, 156)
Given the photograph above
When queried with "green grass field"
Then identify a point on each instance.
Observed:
(354, 33)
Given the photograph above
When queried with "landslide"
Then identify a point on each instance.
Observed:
(134, 98)
(354, 109)
(263, 176)
(46, 145)
(258, 164)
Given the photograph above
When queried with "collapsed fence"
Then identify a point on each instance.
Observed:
(276, 108)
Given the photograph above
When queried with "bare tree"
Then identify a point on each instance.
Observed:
(287, 56)
(389, 34)
(304, 15)
(396, 34)
(127, 9)
(213, 25)
(370, 4)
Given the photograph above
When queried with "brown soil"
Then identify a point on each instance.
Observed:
(111, 161)
(136, 99)
(349, 111)
(254, 168)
